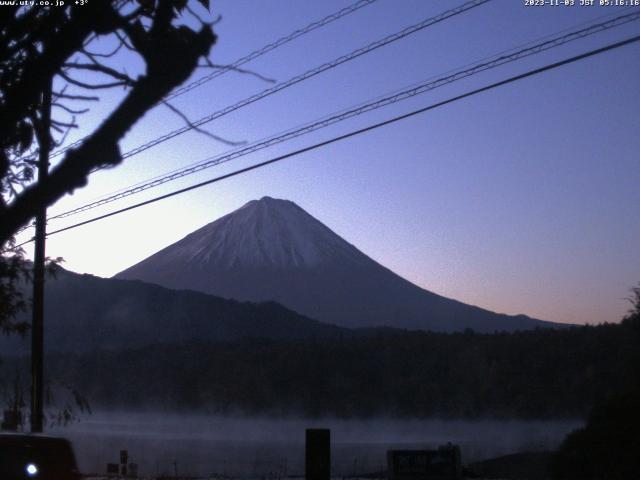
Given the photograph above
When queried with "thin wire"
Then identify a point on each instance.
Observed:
(484, 59)
(414, 90)
(301, 77)
(249, 57)
(309, 74)
(522, 45)
(272, 46)
(492, 86)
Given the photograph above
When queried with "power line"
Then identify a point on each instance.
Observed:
(299, 78)
(484, 59)
(206, 161)
(354, 133)
(309, 74)
(272, 46)
(414, 90)
(249, 57)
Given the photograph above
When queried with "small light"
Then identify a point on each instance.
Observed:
(32, 470)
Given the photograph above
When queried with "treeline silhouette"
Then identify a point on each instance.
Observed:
(609, 444)
(529, 374)
(608, 447)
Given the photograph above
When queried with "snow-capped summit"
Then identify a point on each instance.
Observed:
(272, 249)
(263, 233)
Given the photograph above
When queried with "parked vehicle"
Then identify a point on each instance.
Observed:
(37, 457)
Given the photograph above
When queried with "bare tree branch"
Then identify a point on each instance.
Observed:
(92, 86)
(76, 97)
(201, 130)
(124, 41)
(170, 52)
(70, 110)
(96, 67)
(64, 124)
(209, 64)
(93, 55)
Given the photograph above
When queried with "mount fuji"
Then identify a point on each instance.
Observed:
(273, 250)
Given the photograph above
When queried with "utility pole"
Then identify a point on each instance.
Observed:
(43, 132)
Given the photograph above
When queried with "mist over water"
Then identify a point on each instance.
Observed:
(200, 445)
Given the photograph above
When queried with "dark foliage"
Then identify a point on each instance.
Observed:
(633, 317)
(59, 52)
(54, 53)
(13, 272)
(608, 448)
(55, 47)
(534, 374)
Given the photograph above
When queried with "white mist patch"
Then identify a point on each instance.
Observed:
(201, 445)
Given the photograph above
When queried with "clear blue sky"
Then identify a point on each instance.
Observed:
(520, 200)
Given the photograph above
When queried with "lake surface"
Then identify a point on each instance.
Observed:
(201, 445)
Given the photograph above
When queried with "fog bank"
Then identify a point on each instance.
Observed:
(243, 446)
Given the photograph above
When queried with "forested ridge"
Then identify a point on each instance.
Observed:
(528, 374)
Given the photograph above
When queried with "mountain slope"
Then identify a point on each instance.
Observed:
(273, 250)
(87, 313)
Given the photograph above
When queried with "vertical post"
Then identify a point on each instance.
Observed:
(37, 324)
(318, 454)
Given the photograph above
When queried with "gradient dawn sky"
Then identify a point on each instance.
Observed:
(523, 199)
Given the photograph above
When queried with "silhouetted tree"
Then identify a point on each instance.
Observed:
(633, 316)
(608, 447)
(64, 47)
(533, 374)
(12, 270)
(41, 44)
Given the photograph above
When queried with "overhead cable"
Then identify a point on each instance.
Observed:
(414, 90)
(428, 22)
(249, 57)
(354, 133)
